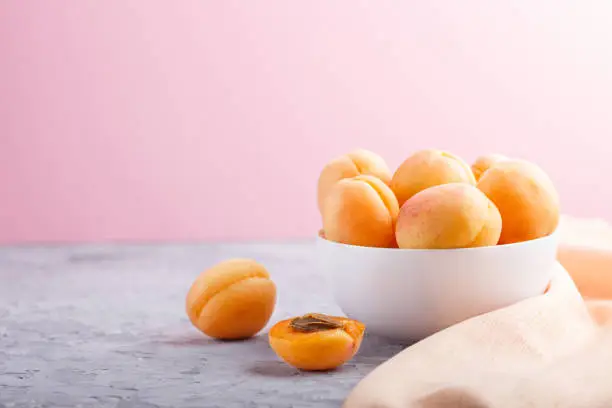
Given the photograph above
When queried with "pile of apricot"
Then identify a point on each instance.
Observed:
(434, 200)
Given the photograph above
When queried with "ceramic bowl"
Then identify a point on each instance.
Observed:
(409, 294)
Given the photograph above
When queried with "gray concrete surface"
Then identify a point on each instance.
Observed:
(104, 326)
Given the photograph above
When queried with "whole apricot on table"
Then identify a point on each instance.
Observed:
(353, 164)
(454, 215)
(526, 198)
(483, 163)
(360, 211)
(232, 300)
(428, 168)
(316, 342)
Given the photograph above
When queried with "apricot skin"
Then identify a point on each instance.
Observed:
(483, 163)
(353, 164)
(361, 211)
(526, 198)
(428, 168)
(232, 300)
(454, 215)
(317, 351)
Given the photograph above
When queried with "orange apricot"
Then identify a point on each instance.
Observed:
(454, 215)
(360, 211)
(357, 162)
(428, 168)
(234, 299)
(483, 163)
(526, 198)
(316, 342)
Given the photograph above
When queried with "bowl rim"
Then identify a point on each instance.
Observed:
(550, 237)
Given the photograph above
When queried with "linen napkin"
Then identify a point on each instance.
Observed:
(553, 350)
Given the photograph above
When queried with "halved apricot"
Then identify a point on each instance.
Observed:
(316, 342)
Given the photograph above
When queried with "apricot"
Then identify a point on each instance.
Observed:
(360, 211)
(483, 163)
(234, 299)
(428, 168)
(357, 162)
(526, 198)
(316, 342)
(454, 215)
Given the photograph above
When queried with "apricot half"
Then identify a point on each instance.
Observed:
(353, 164)
(454, 215)
(316, 342)
(360, 211)
(428, 168)
(526, 198)
(232, 300)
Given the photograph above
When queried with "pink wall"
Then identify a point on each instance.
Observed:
(130, 120)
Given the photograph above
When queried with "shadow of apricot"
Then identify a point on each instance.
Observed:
(276, 369)
(200, 340)
(280, 369)
(374, 351)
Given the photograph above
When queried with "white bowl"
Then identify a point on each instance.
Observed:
(409, 294)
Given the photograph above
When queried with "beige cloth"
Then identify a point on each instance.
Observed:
(554, 350)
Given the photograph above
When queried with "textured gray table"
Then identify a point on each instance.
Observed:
(104, 326)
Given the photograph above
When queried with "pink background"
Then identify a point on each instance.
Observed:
(196, 120)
